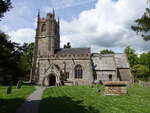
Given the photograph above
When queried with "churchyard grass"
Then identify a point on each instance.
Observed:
(9, 103)
(84, 99)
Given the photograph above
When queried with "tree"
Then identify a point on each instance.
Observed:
(10, 54)
(140, 71)
(26, 58)
(5, 5)
(68, 45)
(106, 51)
(144, 59)
(16, 60)
(132, 57)
(143, 25)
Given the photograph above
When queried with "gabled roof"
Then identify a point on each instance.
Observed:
(110, 61)
(73, 51)
(121, 61)
(105, 62)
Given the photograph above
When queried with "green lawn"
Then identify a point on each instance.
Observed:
(84, 99)
(12, 101)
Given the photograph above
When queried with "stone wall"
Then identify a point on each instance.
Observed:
(70, 64)
(104, 76)
(144, 84)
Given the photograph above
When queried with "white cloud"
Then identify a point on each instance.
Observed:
(24, 35)
(106, 26)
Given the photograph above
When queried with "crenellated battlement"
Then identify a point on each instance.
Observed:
(66, 56)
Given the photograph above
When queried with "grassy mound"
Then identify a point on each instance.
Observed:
(12, 101)
(84, 99)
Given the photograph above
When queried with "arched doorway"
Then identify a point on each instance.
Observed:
(52, 80)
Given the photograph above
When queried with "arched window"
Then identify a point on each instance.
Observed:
(78, 71)
(43, 29)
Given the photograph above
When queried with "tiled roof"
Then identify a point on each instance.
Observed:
(73, 51)
(110, 61)
(121, 61)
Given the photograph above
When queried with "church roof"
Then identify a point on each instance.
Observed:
(110, 61)
(121, 61)
(73, 51)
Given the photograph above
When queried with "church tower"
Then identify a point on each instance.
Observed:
(47, 35)
(47, 40)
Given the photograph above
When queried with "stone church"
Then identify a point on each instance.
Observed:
(52, 65)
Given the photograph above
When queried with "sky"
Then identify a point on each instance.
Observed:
(98, 24)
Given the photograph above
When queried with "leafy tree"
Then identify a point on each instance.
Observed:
(17, 59)
(106, 51)
(132, 57)
(68, 45)
(5, 5)
(144, 59)
(141, 71)
(9, 53)
(143, 25)
(26, 58)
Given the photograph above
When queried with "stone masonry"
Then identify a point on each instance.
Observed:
(52, 65)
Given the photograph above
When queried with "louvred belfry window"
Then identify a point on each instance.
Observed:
(43, 29)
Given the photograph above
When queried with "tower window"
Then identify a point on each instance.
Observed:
(78, 71)
(43, 29)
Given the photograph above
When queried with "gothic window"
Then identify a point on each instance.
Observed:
(78, 71)
(43, 29)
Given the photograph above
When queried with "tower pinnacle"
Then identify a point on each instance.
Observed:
(53, 12)
(38, 16)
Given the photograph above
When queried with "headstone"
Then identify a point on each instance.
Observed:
(144, 83)
(115, 88)
(19, 84)
(1, 101)
(9, 89)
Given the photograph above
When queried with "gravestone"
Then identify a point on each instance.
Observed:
(144, 83)
(19, 84)
(9, 89)
(115, 88)
(1, 101)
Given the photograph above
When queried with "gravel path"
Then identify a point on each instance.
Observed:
(31, 105)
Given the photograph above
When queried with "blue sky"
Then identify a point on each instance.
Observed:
(24, 12)
(99, 24)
